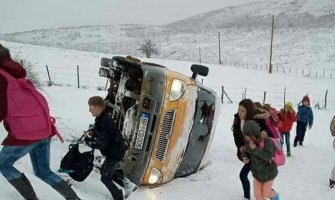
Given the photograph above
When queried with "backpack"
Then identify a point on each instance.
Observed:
(279, 156)
(76, 164)
(28, 114)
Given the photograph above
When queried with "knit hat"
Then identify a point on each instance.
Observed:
(306, 98)
(3, 51)
(289, 104)
(251, 127)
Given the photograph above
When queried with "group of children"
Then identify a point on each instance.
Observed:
(256, 129)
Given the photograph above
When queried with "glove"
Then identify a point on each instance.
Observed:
(91, 142)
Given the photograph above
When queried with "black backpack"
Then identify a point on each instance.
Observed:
(76, 164)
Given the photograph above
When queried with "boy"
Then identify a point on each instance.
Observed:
(106, 137)
(304, 118)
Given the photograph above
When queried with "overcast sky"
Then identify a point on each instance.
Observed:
(23, 15)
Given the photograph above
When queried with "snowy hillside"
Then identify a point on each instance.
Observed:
(303, 36)
(305, 176)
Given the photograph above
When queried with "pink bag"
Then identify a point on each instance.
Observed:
(28, 114)
(279, 156)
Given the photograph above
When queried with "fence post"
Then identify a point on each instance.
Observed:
(222, 91)
(324, 73)
(264, 97)
(49, 83)
(326, 99)
(245, 93)
(78, 76)
(284, 95)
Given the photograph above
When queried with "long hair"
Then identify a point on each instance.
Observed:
(249, 106)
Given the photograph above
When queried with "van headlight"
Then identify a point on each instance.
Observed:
(177, 89)
(155, 176)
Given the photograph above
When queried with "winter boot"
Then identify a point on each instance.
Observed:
(129, 187)
(66, 191)
(23, 186)
(331, 183)
(288, 154)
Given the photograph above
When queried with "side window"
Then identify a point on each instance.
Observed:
(205, 109)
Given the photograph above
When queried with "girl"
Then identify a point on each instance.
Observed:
(263, 169)
(246, 111)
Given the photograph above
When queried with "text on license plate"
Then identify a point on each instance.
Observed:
(142, 130)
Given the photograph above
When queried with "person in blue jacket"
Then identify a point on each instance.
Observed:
(304, 118)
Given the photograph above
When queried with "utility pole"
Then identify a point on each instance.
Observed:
(270, 65)
(220, 49)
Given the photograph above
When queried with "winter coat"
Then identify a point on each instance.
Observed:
(305, 114)
(108, 137)
(262, 166)
(287, 118)
(332, 126)
(238, 136)
(17, 71)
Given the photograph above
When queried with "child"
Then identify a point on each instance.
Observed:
(304, 118)
(263, 169)
(107, 138)
(332, 130)
(287, 117)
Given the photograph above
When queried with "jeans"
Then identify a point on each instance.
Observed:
(287, 140)
(245, 181)
(301, 130)
(40, 158)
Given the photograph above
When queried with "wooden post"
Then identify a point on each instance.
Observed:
(49, 83)
(245, 93)
(284, 95)
(326, 99)
(220, 49)
(222, 91)
(324, 73)
(22, 63)
(270, 65)
(264, 97)
(78, 76)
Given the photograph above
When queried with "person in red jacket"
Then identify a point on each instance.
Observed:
(14, 149)
(287, 117)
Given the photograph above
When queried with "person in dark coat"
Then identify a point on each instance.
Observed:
(246, 111)
(304, 118)
(106, 137)
(14, 149)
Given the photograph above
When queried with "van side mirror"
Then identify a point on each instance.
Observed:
(104, 72)
(199, 69)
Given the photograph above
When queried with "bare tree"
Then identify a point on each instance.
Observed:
(149, 48)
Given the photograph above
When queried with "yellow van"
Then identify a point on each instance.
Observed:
(167, 118)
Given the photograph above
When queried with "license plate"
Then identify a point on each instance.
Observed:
(142, 130)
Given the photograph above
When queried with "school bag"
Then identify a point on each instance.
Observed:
(279, 156)
(76, 164)
(28, 114)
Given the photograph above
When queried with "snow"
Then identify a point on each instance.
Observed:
(305, 175)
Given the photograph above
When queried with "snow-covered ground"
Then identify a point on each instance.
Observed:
(305, 175)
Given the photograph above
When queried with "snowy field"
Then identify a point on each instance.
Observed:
(305, 175)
